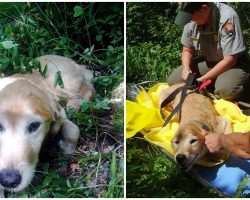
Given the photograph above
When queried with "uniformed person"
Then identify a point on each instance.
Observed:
(213, 48)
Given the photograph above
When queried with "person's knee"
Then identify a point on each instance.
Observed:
(229, 92)
(171, 80)
(175, 77)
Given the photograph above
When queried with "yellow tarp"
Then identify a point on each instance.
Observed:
(144, 116)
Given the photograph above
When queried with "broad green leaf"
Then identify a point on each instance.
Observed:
(78, 11)
(9, 44)
(4, 63)
(58, 80)
(84, 105)
(45, 70)
(102, 105)
(98, 38)
(103, 80)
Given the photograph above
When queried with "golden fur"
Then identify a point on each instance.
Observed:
(198, 117)
(30, 112)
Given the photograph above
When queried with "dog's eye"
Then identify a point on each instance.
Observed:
(33, 126)
(1, 128)
(176, 142)
(193, 141)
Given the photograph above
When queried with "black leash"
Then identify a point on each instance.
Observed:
(188, 85)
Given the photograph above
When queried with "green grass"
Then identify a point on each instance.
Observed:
(76, 177)
(90, 34)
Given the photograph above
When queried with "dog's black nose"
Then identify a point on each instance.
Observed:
(181, 159)
(10, 178)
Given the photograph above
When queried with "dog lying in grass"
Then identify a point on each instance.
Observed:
(198, 118)
(30, 112)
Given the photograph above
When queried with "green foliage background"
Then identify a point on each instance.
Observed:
(89, 33)
(153, 41)
(153, 51)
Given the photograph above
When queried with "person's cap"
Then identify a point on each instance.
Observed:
(186, 11)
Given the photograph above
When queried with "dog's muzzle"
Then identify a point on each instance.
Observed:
(10, 178)
(181, 159)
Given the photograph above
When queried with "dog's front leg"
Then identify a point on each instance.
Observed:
(69, 137)
(68, 133)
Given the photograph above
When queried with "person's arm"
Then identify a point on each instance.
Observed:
(235, 143)
(186, 58)
(227, 63)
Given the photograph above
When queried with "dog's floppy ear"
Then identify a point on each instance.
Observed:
(204, 129)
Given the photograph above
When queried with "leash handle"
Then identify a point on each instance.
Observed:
(205, 84)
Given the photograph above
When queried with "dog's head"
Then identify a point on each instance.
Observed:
(189, 144)
(25, 117)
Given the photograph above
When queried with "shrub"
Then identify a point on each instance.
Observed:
(151, 61)
(153, 48)
(151, 22)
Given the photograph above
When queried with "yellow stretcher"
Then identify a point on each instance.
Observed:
(144, 116)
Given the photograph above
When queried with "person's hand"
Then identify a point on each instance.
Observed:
(185, 73)
(201, 79)
(212, 142)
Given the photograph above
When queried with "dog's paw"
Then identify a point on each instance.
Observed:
(65, 146)
(68, 138)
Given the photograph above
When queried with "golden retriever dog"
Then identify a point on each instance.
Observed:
(30, 112)
(198, 118)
